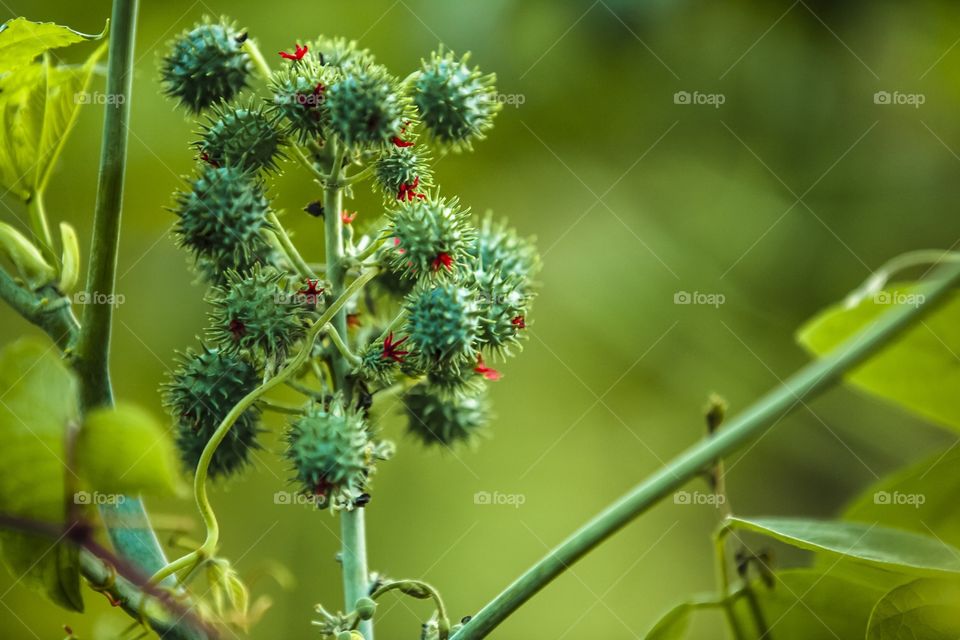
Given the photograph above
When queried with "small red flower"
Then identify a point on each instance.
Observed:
(519, 322)
(237, 329)
(391, 349)
(409, 191)
(346, 217)
(443, 259)
(298, 53)
(400, 142)
(312, 292)
(487, 372)
(210, 161)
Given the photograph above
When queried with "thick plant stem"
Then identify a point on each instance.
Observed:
(809, 381)
(93, 347)
(353, 555)
(128, 526)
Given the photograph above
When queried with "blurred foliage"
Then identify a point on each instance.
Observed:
(783, 199)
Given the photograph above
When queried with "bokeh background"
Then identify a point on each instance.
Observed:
(782, 199)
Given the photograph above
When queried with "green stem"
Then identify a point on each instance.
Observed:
(46, 308)
(723, 581)
(127, 523)
(93, 346)
(353, 554)
(289, 249)
(352, 359)
(256, 56)
(420, 590)
(747, 426)
(360, 176)
(879, 278)
(278, 407)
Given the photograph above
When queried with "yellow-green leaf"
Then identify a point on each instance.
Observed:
(919, 371)
(39, 104)
(808, 604)
(876, 545)
(124, 450)
(39, 406)
(22, 40)
(925, 609)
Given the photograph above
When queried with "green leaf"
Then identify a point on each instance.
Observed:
(39, 104)
(39, 406)
(22, 40)
(673, 625)
(924, 609)
(919, 371)
(125, 451)
(809, 603)
(922, 497)
(891, 549)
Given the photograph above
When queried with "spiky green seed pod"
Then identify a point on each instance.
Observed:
(398, 166)
(449, 382)
(447, 421)
(299, 97)
(443, 323)
(365, 109)
(332, 454)
(213, 268)
(431, 237)
(340, 53)
(499, 248)
(222, 215)
(504, 305)
(256, 312)
(206, 64)
(375, 364)
(457, 104)
(243, 136)
(201, 392)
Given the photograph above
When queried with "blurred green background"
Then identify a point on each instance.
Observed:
(782, 200)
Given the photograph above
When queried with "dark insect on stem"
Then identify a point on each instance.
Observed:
(362, 500)
(241, 37)
(315, 209)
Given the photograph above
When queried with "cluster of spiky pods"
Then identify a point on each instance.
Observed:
(450, 295)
